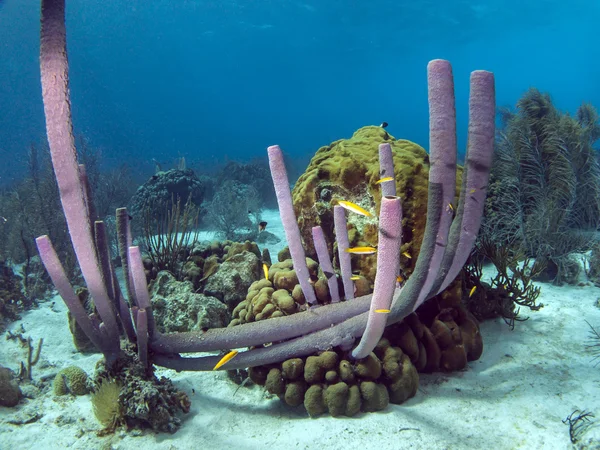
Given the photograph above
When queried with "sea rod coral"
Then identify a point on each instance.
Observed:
(446, 245)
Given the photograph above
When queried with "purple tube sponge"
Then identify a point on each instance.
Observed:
(478, 161)
(288, 218)
(124, 240)
(59, 128)
(442, 159)
(341, 236)
(142, 335)
(388, 264)
(386, 169)
(325, 263)
(141, 288)
(66, 292)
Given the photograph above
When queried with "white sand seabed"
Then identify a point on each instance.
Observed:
(514, 397)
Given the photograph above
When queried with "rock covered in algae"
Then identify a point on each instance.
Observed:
(144, 400)
(177, 307)
(233, 278)
(10, 393)
(221, 269)
(348, 169)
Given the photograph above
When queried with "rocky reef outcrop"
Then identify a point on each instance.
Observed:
(157, 193)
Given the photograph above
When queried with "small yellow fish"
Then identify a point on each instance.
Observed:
(354, 208)
(383, 180)
(472, 291)
(399, 278)
(407, 255)
(355, 277)
(266, 271)
(450, 207)
(382, 311)
(472, 191)
(361, 250)
(225, 359)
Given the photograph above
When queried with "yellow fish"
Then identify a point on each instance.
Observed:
(472, 191)
(399, 278)
(266, 271)
(472, 291)
(450, 206)
(382, 311)
(361, 250)
(383, 180)
(225, 359)
(407, 255)
(354, 208)
(355, 277)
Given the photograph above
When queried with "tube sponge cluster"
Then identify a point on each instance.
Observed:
(444, 250)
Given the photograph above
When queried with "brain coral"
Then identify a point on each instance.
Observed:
(348, 169)
(71, 380)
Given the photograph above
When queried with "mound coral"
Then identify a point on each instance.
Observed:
(328, 383)
(335, 382)
(348, 169)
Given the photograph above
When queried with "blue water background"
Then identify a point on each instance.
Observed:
(217, 80)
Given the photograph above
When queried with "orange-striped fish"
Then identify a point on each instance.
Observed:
(361, 250)
(225, 359)
(354, 208)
